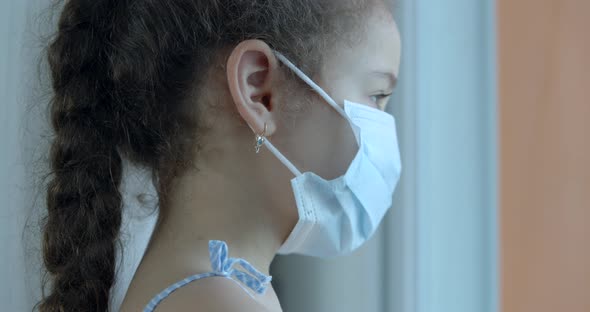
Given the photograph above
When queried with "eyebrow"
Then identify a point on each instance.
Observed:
(391, 77)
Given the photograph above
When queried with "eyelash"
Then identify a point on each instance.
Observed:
(381, 96)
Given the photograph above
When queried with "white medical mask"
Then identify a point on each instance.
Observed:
(337, 216)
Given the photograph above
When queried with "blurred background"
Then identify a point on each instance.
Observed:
(492, 212)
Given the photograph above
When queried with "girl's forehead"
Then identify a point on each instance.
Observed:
(379, 49)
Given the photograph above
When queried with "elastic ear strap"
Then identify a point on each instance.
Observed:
(282, 158)
(279, 155)
(320, 91)
(310, 82)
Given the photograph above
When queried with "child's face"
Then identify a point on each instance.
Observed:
(322, 140)
(318, 138)
(366, 72)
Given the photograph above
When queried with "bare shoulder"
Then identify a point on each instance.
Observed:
(215, 294)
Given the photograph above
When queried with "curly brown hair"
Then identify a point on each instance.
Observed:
(121, 74)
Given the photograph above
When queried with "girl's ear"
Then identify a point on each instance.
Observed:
(251, 72)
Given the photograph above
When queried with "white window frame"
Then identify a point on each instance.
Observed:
(441, 239)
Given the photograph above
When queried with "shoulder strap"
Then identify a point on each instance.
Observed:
(222, 266)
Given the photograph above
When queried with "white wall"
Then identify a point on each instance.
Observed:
(17, 153)
(456, 164)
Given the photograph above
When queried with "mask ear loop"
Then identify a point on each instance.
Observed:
(320, 91)
(261, 139)
(311, 83)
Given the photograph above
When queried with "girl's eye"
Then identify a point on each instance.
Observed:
(379, 97)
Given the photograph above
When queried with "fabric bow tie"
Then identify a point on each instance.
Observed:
(224, 265)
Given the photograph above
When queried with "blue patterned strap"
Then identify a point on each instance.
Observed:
(223, 266)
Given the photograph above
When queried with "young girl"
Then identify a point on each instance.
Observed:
(261, 120)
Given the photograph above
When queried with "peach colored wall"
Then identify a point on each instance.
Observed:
(544, 81)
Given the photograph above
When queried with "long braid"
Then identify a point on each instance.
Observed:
(83, 199)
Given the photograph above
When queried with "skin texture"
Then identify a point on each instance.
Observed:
(246, 198)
